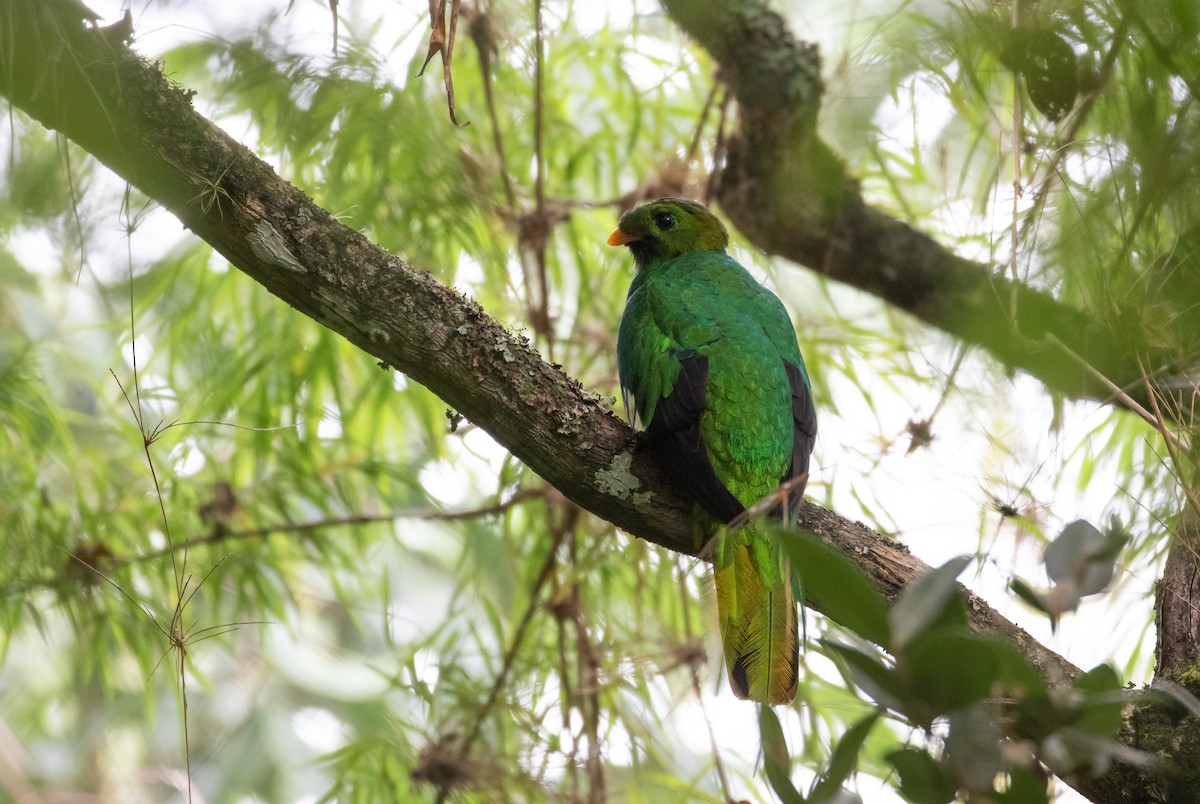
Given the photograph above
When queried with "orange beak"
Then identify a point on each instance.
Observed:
(619, 238)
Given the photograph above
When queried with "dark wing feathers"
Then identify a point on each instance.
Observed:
(804, 433)
(675, 432)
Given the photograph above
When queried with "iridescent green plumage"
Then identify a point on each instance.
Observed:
(709, 365)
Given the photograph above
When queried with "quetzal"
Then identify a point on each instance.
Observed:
(710, 367)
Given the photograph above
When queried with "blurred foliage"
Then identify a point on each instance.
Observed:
(291, 532)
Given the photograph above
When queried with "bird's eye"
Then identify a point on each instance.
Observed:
(664, 220)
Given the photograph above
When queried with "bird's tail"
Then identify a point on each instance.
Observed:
(757, 612)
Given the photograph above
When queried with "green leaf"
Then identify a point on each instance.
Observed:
(1027, 593)
(922, 779)
(776, 761)
(1070, 750)
(843, 760)
(973, 747)
(872, 676)
(924, 602)
(836, 587)
(1083, 557)
(947, 671)
(951, 669)
(1178, 693)
(1101, 709)
(1101, 678)
(1026, 785)
(1095, 712)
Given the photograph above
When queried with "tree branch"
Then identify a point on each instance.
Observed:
(84, 559)
(124, 112)
(788, 192)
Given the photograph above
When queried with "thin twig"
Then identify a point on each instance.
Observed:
(539, 179)
(514, 646)
(1173, 442)
(687, 602)
(509, 655)
(780, 496)
(66, 157)
(1120, 394)
(147, 440)
(178, 640)
(589, 685)
(921, 431)
(694, 145)
(1017, 189)
(485, 47)
(175, 636)
(714, 178)
(62, 580)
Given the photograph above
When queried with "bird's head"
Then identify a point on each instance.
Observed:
(668, 228)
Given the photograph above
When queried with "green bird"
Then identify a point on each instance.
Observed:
(710, 367)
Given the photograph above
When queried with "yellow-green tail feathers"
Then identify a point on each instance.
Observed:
(757, 614)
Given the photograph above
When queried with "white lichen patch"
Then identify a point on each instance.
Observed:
(501, 346)
(617, 479)
(377, 331)
(269, 246)
(642, 498)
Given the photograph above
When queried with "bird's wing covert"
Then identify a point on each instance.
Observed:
(675, 431)
(804, 432)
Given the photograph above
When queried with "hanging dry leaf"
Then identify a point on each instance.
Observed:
(441, 40)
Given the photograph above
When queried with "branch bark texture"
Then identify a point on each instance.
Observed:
(790, 194)
(123, 111)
